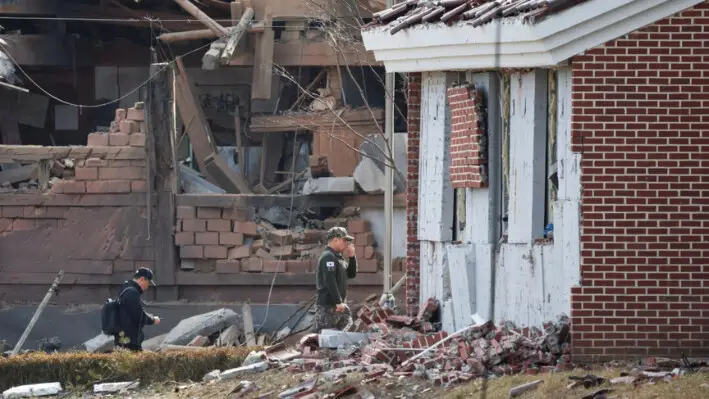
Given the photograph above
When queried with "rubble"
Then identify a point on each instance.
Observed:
(330, 185)
(112, 387)
(243, 370)
(101, 343)
(33, 390)
(204, 324)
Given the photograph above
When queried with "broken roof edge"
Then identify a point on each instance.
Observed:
(438, 47)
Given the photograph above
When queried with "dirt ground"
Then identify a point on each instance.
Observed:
(272, 382)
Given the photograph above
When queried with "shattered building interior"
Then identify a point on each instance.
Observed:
(252, 114)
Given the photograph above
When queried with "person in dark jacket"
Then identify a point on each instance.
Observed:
(131, 315)
(337, 264)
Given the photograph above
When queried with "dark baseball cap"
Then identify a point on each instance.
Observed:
(339, 232)
(146, 273)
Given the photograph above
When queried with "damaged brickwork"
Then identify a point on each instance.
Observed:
(639, 121)
(91, 223)
(413, 247)
(468, 138)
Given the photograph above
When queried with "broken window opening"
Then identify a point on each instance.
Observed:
(505, 156)
(551, 182)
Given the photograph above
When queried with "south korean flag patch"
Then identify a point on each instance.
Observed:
(330, 265)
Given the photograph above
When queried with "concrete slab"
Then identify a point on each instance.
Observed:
(76, 324)
(330, 185)
(204, 324)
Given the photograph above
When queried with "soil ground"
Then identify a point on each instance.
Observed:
(554, 386)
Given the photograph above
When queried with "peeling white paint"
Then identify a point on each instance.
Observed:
(532, 281)
(509, 43)
(435, 190)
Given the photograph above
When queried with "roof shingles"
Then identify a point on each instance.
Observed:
(474, 12)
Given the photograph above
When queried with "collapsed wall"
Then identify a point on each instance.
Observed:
(83, 211)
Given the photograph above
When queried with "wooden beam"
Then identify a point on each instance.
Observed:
(159, 118)
(70, 200)
(193, 118)
(237, 10)
(306, 93)
(214, 26)
(263, 61)
(236, 36)
(312, 120)
(306, 53)
(202, 34)
(29, 7)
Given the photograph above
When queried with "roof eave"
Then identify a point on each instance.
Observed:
(437, 47)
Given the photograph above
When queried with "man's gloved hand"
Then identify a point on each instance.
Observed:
(342, 308)
(156, 320)
(349, 251)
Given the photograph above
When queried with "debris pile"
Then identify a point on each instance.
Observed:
(239, 240)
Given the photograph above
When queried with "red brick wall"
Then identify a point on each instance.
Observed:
(468, 141)
(413, 248)
(641, 122)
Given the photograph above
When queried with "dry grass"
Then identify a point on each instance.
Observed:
(78, 370)
(554, 387)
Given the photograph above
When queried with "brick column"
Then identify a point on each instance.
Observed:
(413, 248)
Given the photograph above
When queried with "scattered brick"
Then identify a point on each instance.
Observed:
(298, 266)
(69, 187)
(108, 186)
(364, 239)
(220, 225)
(192, 252)
(120, 114)
(225, 266)
(186, 212)
(209, 213)
(138, 186)
(358, 226)
(184, 238)
(230, 239)
(137, 140)
(367, 265)
(195, 225)
(243, 251)
(136, 114)
(274, 266)
(207, 238)
(97, 140)
(215, 252)
(246, 228)
(86, 173)
(235, 214)
(252, 265)
(128, 127)
(118, 139)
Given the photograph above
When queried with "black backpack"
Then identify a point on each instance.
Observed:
(110, 322)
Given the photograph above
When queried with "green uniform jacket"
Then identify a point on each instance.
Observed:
(331, 277)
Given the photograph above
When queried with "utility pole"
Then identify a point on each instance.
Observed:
(388, 172)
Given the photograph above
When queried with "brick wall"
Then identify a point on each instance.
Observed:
(413, 248)
(468, 140)
(91, 223)
(227, 240)
(641, 122)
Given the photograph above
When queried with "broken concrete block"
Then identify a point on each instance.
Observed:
(199, 341)
(111, 387)
(244, 370)
(330, 185)
(336, 338)
(372, 150)
(33, 390)
(204, 324)
(212, 376)
(369, 177)
(153, 344)
(254, 357)
(229, 337)
(101, 343)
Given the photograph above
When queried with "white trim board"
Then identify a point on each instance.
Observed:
(437, 47)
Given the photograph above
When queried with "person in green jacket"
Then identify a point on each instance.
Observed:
(337, 264)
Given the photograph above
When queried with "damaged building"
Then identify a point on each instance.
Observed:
(212, 141)
(556, 153)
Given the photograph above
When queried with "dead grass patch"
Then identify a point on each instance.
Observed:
(78, 370)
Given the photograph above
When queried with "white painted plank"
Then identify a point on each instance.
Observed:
(435, 221)
(528, 120)
(462, 265)
(483, 280)
(568, 163)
